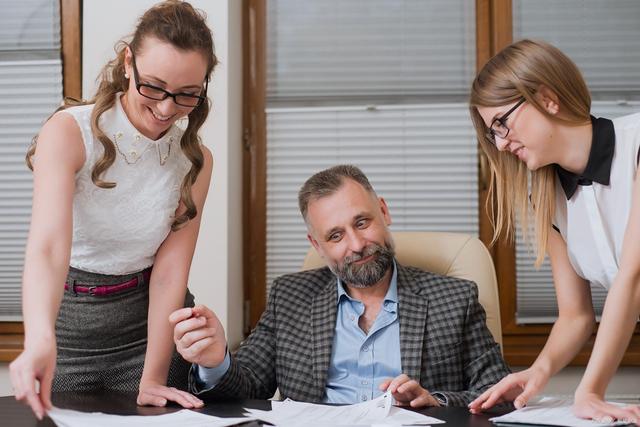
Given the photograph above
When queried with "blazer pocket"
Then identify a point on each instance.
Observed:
(445, 355)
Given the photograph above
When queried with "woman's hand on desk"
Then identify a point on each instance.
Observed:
(199, 336)
(36, 363)
(518, 388)
(159, 394)
(592, 406)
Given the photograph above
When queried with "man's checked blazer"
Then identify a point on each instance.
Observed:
(444, 341)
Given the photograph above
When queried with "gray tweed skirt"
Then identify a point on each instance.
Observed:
(102, 339)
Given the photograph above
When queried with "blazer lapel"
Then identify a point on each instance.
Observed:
(323, 324)
(412, 312)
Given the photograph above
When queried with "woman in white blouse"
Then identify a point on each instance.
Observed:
(531, 110)
(119, 189)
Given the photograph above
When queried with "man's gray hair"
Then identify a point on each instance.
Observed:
(327, 182)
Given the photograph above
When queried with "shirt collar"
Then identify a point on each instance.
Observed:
(392, 292)
(598, 167)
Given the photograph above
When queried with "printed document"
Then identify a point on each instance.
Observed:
(379, 411)
(184, 417)
(549, 411)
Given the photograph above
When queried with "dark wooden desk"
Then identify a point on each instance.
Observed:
(15, 414)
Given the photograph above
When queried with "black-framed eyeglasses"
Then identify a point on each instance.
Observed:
(499, 124)
(159, 94)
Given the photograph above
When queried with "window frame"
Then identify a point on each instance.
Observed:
(494, 31)
(12, 333)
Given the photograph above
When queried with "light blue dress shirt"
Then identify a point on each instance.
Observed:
(359, 361)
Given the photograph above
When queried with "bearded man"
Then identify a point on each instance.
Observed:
(360, 326)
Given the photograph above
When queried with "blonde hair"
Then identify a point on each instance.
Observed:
(518, 71)
(179, 24)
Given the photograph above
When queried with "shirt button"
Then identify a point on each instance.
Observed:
(352, 317)
(364, 398)
(365, 348)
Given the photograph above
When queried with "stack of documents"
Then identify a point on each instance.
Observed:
(69, 418)
(377, 412)
(549, 411)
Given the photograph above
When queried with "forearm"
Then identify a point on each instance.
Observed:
(165, 296)
(42, 288)
(239, 382)
(567, 337)
(618, 321)
(251, 373)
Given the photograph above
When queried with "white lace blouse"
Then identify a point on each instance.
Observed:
(119, 230)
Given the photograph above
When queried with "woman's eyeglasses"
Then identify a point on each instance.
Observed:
(159, 94)
(499, 127)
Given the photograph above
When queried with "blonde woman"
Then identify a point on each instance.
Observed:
(118, 195)
(531, 110)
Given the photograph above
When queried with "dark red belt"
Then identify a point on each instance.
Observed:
(102, 290)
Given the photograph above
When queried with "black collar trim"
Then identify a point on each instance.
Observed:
(598, 167)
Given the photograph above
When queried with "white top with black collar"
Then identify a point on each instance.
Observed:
(592, 209)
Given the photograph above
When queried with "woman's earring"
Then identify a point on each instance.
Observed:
(126, 75)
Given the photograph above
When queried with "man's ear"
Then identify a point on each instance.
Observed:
(385, 211)
(549, 100)
(314, 243)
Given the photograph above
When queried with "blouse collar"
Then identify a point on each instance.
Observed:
(124, 127)
(598, 167)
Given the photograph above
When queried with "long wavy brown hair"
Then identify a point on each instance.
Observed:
(519, 70)
(179, 24)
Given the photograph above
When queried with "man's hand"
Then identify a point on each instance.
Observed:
(408, 392)
(199, 336)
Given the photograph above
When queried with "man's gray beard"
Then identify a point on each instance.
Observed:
(369, 273)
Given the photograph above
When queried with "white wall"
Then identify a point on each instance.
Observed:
(216, 273)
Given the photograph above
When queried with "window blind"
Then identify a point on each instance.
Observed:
(381, 84)
(337, 48)
(421, 158)
(601, 38)
(30, 90)
(29, 25)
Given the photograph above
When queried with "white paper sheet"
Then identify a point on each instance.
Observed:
(550, 411)
(184, 417)
(379, 411)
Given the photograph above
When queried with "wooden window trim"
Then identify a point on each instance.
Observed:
(522, 343)
(12, 333)
(254, 160)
